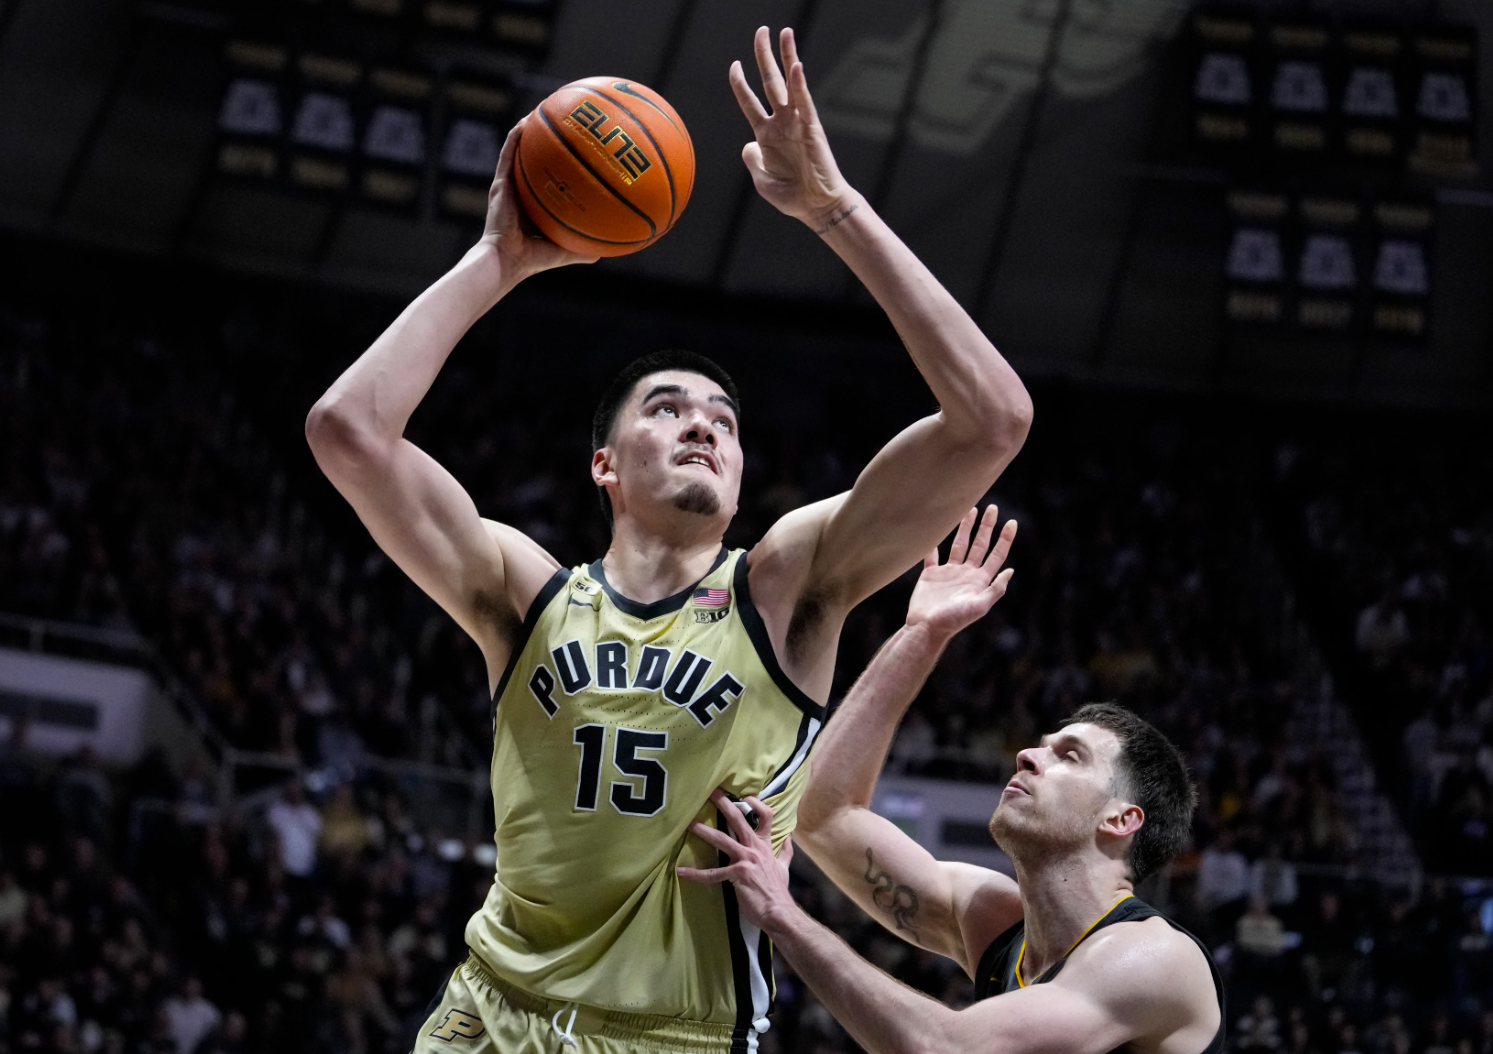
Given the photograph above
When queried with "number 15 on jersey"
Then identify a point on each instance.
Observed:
(645, 792)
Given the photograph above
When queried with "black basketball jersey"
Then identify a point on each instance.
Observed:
(996, 974)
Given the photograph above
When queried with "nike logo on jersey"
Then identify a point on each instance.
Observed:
(678, 678)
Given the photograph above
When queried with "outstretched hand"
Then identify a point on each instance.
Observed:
(951, 595)
(760, 876)
(519, 245)
(789, 159)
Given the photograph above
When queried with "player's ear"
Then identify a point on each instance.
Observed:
(602, 470)
(1122, 818)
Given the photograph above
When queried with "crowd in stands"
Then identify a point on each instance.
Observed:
(157, 480)
(1398, 543)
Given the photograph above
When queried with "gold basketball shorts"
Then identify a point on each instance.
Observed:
(480, 1013)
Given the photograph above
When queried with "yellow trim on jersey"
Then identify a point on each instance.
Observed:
(1022, 953)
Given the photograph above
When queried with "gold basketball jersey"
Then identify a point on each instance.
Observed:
(613, 723)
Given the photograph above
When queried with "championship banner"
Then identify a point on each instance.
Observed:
(251, 115)
(395, 140)
(478, 115)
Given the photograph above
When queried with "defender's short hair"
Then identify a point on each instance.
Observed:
(1155, 777)
(623, 384)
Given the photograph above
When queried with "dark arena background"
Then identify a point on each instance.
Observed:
(1241, 255)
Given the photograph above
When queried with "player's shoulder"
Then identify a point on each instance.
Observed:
(1127, 960)
(527, 565)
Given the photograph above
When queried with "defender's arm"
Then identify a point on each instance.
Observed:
(918, 485)
(1107, 998)
(951, 908)
(482, 573)
(1108, 994)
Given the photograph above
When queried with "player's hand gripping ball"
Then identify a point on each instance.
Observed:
(604, 167)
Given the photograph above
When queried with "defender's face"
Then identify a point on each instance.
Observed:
(1061, 789)
(674, 446)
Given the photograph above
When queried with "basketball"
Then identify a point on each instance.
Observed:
(604, 167)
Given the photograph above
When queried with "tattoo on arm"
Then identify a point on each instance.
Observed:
(898, 901)
(841, 218)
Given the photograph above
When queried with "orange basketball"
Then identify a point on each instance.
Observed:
(604, 166)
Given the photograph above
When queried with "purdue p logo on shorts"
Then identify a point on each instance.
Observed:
(459, 1023)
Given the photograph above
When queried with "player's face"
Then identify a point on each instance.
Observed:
(675, 449)
(1062, 789)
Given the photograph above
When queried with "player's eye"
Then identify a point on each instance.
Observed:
(1072, 755)
(667, 408)
(726, 425)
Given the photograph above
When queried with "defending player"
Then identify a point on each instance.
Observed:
(1080, 965)
(627, 689)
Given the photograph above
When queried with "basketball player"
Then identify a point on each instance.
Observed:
(1065, 959)
(627, 689)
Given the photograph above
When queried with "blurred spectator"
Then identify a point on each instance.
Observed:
(297, 825)
(1223, 880)
(1273, 879)
(190, 1018)
(344, 831)
(1260, 933)
(1259, 1029)
(1328, 937)
(1382, 630)
(12, 901)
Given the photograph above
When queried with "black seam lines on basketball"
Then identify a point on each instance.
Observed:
(522, 171)
(668, 172)
(623, 87)
(652, 227)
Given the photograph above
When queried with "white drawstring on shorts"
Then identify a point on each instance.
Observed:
(564, 1033)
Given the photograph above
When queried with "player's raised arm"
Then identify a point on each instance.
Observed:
(951, 908)
(919, 485)
(483, 574)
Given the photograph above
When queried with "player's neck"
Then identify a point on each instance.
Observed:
(1061, 900)
(646, 567)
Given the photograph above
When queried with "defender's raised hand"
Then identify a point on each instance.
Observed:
(951, 595)
(790, 160)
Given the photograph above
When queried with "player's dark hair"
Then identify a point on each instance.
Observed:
(622, 387)
(1154, 776)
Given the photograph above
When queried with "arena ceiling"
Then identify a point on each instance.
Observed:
(1012, 143)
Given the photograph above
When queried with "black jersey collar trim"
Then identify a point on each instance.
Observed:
(756, 629)
(547, 593)
(665, 606)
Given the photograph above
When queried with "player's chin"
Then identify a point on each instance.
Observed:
(1005, 823)
(698, 498)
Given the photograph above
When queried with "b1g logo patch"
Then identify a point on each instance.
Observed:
(462, 1023)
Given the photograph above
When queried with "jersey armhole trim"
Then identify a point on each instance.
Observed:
(995, 953)
(557, 582)
(751, 620)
